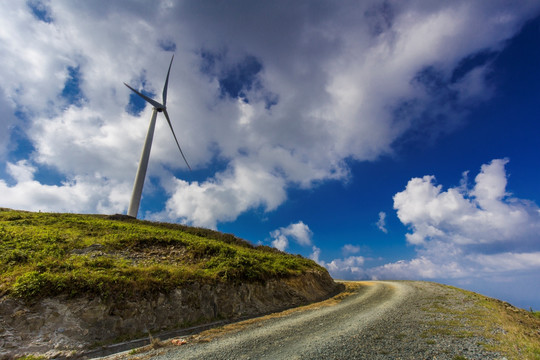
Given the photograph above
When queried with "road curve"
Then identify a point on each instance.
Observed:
(304, 334)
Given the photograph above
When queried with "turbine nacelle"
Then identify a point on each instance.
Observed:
(159, 107)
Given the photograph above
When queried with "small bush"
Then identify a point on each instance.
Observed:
(15, 257)
(31, 285)
(101, 262)
(31, 357)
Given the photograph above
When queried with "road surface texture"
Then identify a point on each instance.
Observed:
(381, 320)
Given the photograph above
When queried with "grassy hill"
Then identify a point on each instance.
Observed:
(117, 257)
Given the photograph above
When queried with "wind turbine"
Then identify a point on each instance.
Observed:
(143, 163)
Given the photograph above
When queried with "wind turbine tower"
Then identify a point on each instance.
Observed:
(143, 163)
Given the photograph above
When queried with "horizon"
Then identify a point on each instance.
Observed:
(380, 139)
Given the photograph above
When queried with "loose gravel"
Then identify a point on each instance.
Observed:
(383, 320)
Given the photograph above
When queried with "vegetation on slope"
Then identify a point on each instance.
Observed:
(43, 254)
(513, 332)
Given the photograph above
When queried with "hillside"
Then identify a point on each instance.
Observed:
(112, 277)
(117, 256)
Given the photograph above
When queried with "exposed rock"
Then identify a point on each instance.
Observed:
(62, 326)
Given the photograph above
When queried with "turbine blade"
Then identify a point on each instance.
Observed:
(167, 83)
(152, 102)
(175, 139)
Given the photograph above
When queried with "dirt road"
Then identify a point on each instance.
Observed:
(383, 320)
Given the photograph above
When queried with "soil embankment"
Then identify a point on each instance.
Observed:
(55, 326)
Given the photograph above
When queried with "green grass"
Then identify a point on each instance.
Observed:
(45, 255)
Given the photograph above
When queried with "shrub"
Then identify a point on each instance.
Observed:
(15, 257)
(31, 285)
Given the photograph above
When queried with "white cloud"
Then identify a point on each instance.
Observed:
(381, 223)
(280, 242)
(490, 186)
(419, 268)
(315, 255)
(223, 198)
(347, 268)
(508, 261)
(299, 232)
(21, 172)
(350, 249)
(484, 216)
(350, 267)
(466, 233)
(337, 75)
(80, 195)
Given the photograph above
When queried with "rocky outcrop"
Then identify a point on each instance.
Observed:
(63, 326)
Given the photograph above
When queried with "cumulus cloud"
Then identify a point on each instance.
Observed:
(324, 82)
(484, 216)
(299, 232)
(347, 268)
(226, 196)
(464, 232)
(80, 195)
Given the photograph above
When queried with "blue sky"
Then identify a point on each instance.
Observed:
(383, 139)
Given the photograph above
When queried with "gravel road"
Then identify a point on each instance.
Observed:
(383, 320)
